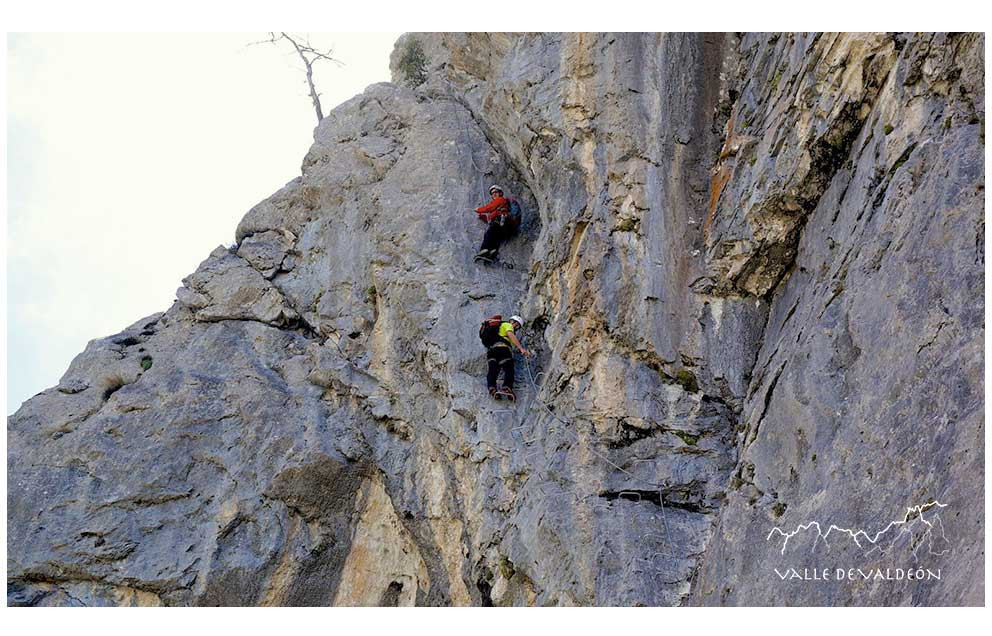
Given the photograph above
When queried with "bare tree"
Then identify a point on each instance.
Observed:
(310, 56)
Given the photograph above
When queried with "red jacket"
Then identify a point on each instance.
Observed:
(495, 208)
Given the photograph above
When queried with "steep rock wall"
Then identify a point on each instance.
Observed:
(729, 242)
(867, 396)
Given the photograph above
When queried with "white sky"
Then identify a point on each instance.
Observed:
(130, 157)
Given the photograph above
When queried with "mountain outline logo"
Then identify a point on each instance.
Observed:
(885, 540)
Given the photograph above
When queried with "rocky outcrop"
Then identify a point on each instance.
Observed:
(752, 270)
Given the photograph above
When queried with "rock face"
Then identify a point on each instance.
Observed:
(752, 270)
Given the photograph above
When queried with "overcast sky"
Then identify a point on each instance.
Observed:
(129, 158)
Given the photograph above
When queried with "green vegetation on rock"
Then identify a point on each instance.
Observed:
(413, 64)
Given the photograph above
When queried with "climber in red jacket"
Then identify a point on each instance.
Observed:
(494, 213)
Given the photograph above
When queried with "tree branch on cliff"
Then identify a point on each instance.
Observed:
(309, 56)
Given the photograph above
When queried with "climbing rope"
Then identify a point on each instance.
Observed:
(471, 150)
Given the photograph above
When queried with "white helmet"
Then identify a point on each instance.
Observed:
(495, 187)
(518, 320)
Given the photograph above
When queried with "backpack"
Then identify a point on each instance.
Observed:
(516, 214)
(489, 330)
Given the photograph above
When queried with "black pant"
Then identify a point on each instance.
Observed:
(500, 358)
(496, 233)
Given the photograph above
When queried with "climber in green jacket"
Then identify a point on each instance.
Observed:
(497, 335)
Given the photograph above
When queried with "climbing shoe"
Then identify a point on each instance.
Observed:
(493, 393)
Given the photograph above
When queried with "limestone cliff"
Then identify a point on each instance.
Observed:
(752, 271)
